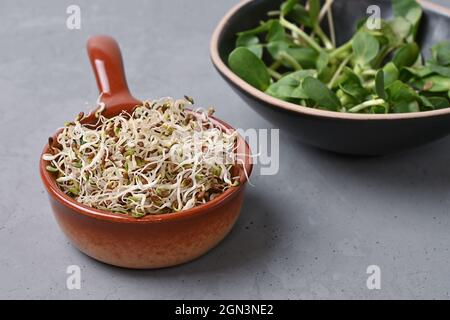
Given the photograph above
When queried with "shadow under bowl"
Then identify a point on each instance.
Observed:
(357, 134)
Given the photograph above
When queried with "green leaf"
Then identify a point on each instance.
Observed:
(351, 85)
(365, 47)
(300, 15)
(441, 70)
(322, 62)
(441, 53)
(405, 107)
(290, 86)
(249, 67)
(401, 92)
(379, 85)
(306, 57)
(435, 83)
(314, 10)
(320, 94)
(409, 72)
(263, 27)
(410, 10)
(434, 103)
(51, 168)
(287, 7)
(250, 42)
(276, 32)
(390, 73)
(349, 76)
(245, 40)
(401, 27)
(439, 102)
(356, 91)
(406, 55)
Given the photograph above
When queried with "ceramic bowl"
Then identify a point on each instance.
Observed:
(358, 134)
(154, 241)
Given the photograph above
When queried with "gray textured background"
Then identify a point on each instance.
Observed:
(308, 232)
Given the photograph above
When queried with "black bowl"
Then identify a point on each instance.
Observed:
(358, 134)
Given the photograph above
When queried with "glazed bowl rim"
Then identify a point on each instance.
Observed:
(57, 194)
(223, 68)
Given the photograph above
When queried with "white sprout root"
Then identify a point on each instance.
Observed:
(159, 159)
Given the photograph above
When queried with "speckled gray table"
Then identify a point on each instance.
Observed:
(309, 232)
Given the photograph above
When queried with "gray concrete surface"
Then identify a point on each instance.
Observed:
(309, 232)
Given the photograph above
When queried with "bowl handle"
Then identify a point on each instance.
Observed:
(106, 60)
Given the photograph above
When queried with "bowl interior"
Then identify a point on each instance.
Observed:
(435, 24)
(243, 170)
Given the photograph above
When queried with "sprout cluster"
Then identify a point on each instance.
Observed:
(161, 158)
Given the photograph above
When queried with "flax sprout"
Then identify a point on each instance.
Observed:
(159, 159)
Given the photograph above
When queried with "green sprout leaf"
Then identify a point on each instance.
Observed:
(406, 55)
(390, 73)
(411, 11)
(249, 67)
(441, 53)
(250, 42)
(290, 87)
(379, 85)
(51, 169)
(365, 48)
(320, 94)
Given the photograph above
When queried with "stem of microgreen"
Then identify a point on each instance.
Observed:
(275, 65)
(325, 8)
(273, 13)
(274, 74)
(331, 26)
(369, 72)
(342, 49)
(313, 44)
(381, 56)
(289, 59)
(338, 71)
(366, 104)
(326, 41)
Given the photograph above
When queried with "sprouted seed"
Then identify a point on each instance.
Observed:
(161, 158)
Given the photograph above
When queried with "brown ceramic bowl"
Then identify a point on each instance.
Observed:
(358, 134)
(153, 241)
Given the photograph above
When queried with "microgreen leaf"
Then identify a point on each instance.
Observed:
(355, 90)
(405, 107)
(365, 47)
(306, 57)
(439, 102)
(319, 93)
(322, 62)
(406, 55)
(300, 15)
(390, 73)
(314, 10)
(276, 32)
(249, 67)
(441, 53)
(379, 85)
(287, 6)
(290, 86)
(401, 27)
(401, 92)
(441, 70)
(250, 42)
(434, 83)
(415, 72)
(51, 168)
(410, 10)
